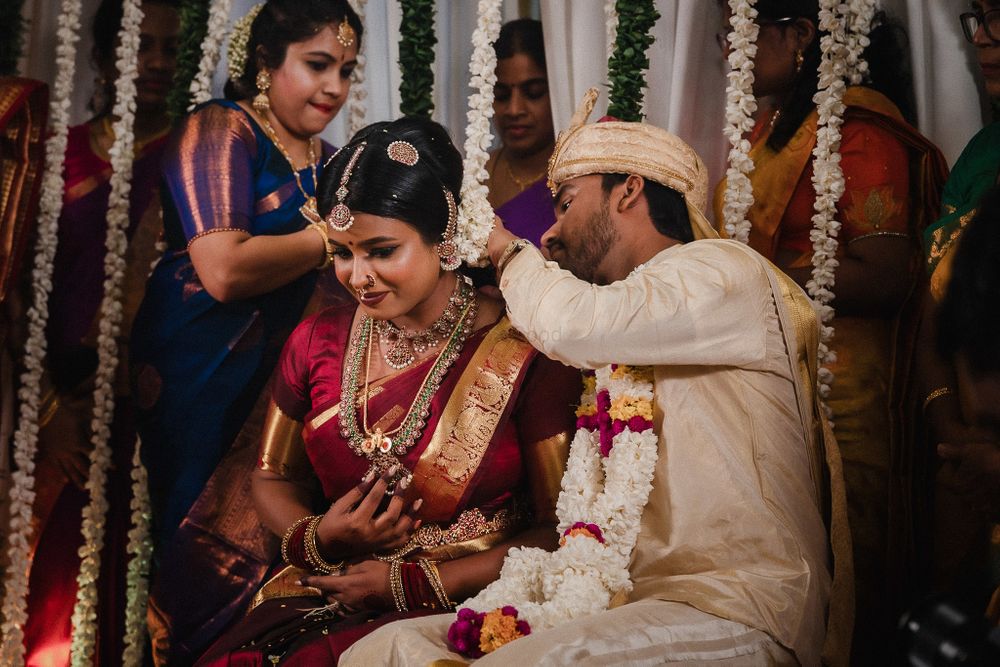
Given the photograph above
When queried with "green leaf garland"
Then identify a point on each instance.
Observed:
(628, 64)
(416, 57)
(194, 27)
(11, 35)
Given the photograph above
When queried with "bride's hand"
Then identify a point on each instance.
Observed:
(364, 585)
(351, 526)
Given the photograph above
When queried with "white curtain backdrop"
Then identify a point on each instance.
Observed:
(686, 77)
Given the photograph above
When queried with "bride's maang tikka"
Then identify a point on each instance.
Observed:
(340, 217)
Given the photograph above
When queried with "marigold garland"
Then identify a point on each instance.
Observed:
(629, 62)
(416, 57)
(604, 491)
(22, 491)
(475, 215)
(122, 157)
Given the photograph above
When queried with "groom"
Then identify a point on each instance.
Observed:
(732, 562)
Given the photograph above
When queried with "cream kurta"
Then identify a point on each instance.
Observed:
(733, 525)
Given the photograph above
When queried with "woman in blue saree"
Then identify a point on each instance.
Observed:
(242, 251)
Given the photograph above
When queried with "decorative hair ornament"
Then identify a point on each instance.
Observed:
(211, 50)
(346, 34)
(447, 250)
(403, 152)
(261, 102)
(239, 38)
(340, 217)
(22, 493)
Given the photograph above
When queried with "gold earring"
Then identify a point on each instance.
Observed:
(261, 103)
(799, 59)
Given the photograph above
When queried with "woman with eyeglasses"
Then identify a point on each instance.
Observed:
(882, 212)
(962, 526)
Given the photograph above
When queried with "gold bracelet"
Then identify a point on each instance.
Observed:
(396, 585)
(287, 536)
(937, 393)
(327, 253)
(313, 556)
(514, 247)
(434, 577)
(50, 405)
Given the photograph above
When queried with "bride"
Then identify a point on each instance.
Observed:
(413, 437)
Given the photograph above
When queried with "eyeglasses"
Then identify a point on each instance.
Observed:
(989, 20)
(722, 37)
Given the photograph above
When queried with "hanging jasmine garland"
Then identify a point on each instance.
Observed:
(140, 552)
(629, 62)
(359, 92)
(122, 155)
(475, 215)
(416, 57)
(211, 49)
(26, 437)
(740, 109)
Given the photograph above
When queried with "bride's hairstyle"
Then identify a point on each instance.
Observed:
(381, 185)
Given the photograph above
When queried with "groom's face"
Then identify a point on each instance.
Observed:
(584, 232)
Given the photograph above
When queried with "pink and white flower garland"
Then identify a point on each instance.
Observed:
(740, 108)
(475, 215)
(22, 493)
(122, 157)
(604, 491)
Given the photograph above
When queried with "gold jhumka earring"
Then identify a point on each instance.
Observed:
(799, 59)
(261, 102)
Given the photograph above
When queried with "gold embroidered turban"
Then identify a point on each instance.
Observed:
(617, 147)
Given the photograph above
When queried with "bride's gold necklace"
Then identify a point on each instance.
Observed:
(309, 209)
(401, 346)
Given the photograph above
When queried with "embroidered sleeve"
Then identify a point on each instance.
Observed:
(208, 174)
(876, 179)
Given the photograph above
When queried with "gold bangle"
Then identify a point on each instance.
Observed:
(327, 253)
(288, 535)
(50, 405)
(937, 393)
(396, 585)
(514, 247)
(434, 578)
(313, 556)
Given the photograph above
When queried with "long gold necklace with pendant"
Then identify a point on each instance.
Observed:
(383, 447)
(309, 209)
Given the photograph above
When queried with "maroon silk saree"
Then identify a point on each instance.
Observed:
(482, 466)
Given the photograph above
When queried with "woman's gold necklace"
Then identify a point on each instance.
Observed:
(309, 209)
(375, 445)
(400, 346)
(521, 184)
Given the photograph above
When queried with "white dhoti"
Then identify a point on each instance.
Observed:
(647, 632)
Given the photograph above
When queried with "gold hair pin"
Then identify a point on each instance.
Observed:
(403, 152)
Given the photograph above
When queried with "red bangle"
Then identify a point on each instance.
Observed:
(295, 546)
(416, 587)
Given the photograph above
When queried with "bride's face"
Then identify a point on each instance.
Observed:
(404, 268)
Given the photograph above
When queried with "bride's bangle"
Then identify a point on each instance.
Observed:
(315, 559)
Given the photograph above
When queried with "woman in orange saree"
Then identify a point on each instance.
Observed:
(413, 438)
(893, 178)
